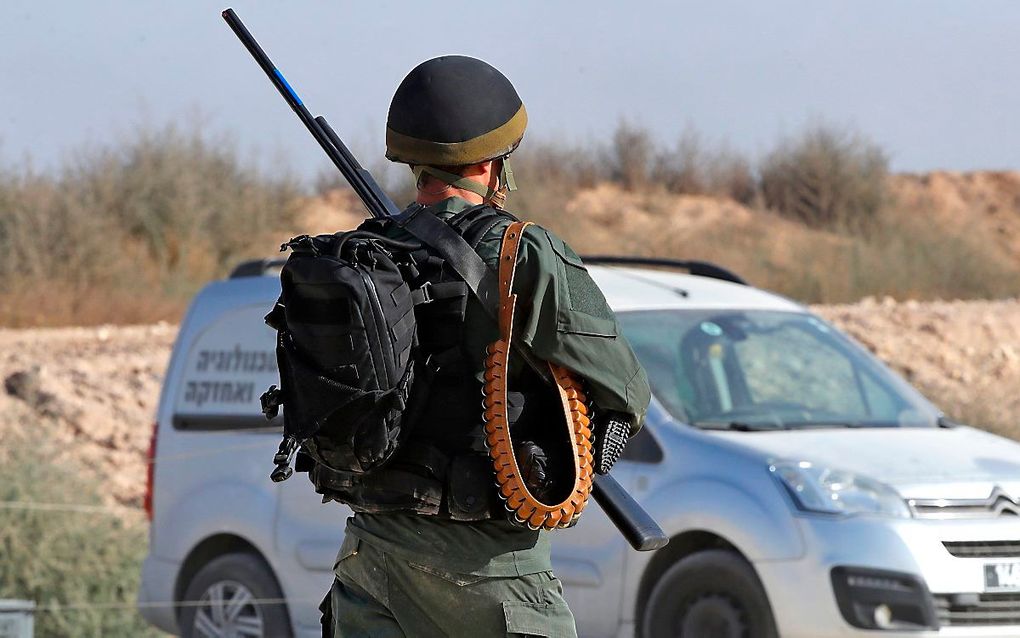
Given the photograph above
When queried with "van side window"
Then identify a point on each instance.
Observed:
(227, 368)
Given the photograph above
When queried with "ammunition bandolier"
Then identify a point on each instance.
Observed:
(560, 504)
(442, 468)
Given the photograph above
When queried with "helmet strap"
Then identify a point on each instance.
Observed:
(496, 198)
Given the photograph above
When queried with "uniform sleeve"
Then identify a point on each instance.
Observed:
(563, 317)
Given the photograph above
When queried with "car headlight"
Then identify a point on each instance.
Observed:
(827, 490)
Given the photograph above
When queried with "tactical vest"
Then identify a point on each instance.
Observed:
(442, 469)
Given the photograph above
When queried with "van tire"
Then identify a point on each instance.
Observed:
(710, 594)
(238, 574)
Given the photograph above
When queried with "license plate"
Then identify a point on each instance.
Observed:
(1002, 576)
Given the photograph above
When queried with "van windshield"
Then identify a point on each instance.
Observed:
(758, 370)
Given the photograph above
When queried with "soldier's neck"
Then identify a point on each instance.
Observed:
(428, 198)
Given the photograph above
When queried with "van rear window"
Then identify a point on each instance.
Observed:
(228, 367)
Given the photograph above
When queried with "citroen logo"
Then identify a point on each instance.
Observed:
(998, 503)
(1001, 504)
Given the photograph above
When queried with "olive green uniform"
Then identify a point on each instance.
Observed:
(410, 575)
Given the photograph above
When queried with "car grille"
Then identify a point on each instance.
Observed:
(983, 549)
(997, 504)
(977, 609)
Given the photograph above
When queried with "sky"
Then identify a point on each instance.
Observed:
(934, 82)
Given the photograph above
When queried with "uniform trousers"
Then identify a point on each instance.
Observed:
(378, 595)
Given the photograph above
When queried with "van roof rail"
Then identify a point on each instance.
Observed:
(255, 267)
(258, 267)
(693, 266)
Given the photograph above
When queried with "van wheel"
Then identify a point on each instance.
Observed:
(711, 594)
(223, 601)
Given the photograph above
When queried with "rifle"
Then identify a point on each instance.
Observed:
(639, 528)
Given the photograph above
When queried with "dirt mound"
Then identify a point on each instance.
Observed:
(964, 356)
(985, 205)
(92, 391)
(610, 220)
(336, 210)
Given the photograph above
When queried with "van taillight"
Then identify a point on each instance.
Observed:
(150, 462)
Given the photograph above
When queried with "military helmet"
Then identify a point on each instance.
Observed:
(454, 110)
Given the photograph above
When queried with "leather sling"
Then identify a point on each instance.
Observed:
(526, 508)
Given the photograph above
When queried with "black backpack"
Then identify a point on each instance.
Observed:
(345, 334)
(346, 341)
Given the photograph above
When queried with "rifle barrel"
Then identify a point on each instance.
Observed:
(343, 160)
(364, 184)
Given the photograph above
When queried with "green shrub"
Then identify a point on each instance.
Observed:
(826, 178)
(68, 559)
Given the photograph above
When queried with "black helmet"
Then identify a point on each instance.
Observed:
(453, 111)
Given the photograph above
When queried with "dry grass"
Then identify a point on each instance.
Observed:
(901, 257)
(127, 233)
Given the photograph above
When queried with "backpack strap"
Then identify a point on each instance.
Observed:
(475, 223)
(481, 279)
(456, 251)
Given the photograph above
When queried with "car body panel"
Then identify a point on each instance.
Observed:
(898, 456)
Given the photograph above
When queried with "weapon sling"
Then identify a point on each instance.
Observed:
(526, 508)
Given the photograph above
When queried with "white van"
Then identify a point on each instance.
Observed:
(808, 491)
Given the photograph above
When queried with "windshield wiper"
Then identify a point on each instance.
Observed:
(843, 424)
(738, 426)
(947, 423)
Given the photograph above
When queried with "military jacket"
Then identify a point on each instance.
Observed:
(562, 317)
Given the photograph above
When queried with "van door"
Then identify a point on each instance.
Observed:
(590, 558)
(308, 534)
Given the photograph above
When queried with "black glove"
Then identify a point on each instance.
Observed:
(534, 465)
(610, 433)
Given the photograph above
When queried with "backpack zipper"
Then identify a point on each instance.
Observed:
(379, 318)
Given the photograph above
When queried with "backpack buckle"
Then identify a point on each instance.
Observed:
(284, 458)
(271, 401)
(423, 294)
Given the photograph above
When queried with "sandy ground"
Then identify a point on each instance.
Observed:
(94, 390)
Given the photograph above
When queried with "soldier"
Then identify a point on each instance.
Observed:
(430, 550)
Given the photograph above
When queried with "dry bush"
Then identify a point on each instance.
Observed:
(148, 220)
(127, 233)
(691, 168)
(631, 156)
(826, 178)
